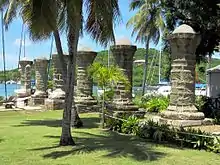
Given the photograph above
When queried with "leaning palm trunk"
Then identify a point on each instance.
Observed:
(66, 137)
(75, 119)
(145, 68)
(73, 38)
(60, 54)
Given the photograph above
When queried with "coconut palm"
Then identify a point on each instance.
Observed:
(147, 25)
(107, 78)
(44, 17)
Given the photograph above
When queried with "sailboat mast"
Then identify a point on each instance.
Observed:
(3, 52)
(20, 48)
(24, 45)
(159, 78)
(50, 58)
(109, 56)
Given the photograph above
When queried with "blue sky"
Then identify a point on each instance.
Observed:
(42, 49)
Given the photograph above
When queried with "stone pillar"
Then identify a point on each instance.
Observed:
(57, 73)
(56, 98)
(182, 110)
(25, 73)
(122, 100)
(84, 100)
(41, 76)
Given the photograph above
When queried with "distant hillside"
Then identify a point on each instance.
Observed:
(138, 70)
(153, 67)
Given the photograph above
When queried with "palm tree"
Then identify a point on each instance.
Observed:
(148, 25)
(107, 78)
(44, 17)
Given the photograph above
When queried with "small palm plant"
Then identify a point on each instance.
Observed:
(107, 78)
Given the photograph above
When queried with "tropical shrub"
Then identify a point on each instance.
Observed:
(152, 103)
(130, 126)
(113, 124)
(187, 137)
(205, 105)
(157, 104)
(50, 84)
(1, 100)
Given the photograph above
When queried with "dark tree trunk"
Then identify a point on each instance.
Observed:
(66, 137)
(145, 68)
(60, 54)
(75, 119)
(74, 19)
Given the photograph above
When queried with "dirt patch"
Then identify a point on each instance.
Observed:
(208, 128)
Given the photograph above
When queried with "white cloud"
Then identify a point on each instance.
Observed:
(18, 42)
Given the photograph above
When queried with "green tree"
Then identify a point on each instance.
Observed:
(148, 25)
(202, 16)
(106, 78)
(44, 17)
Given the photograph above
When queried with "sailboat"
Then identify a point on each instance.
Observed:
(165, 87)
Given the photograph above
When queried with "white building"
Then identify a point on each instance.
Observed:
(213, 82)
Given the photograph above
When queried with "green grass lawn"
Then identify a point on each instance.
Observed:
(31, 138)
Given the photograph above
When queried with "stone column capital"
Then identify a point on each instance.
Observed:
(23, 63)
(85, 58)
(184, 35)
(126, 48)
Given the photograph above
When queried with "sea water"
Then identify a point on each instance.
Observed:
(10, 89)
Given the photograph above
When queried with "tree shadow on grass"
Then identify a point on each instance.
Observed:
(1, 140)
(89, 122)
(115, 144)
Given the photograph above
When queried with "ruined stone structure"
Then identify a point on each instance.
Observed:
(83, 97)
(41, 76)
(122, 100)
(56, 98)
(25, 74)
(23, 94)
(182, 110)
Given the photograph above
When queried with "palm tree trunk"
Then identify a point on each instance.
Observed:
(145, 68)
(60, 54)
(75, 119)
(66, 137)
(72, 39)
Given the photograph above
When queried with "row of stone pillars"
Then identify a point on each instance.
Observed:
(84, 101)
(181, 111)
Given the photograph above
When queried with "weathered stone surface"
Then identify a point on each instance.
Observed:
(54, 104)
(25, 73)
(208, 121)
(183, 115)
(41, 75)
(183, 123)
(139, 114)
(57, 71)
(182, 110)
(56, 97)
(122, 99)
(83, 96)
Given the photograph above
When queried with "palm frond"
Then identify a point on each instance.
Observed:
(4, 4)
(148, 21)
(40, 17)
(135, 4)
(102, 16)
